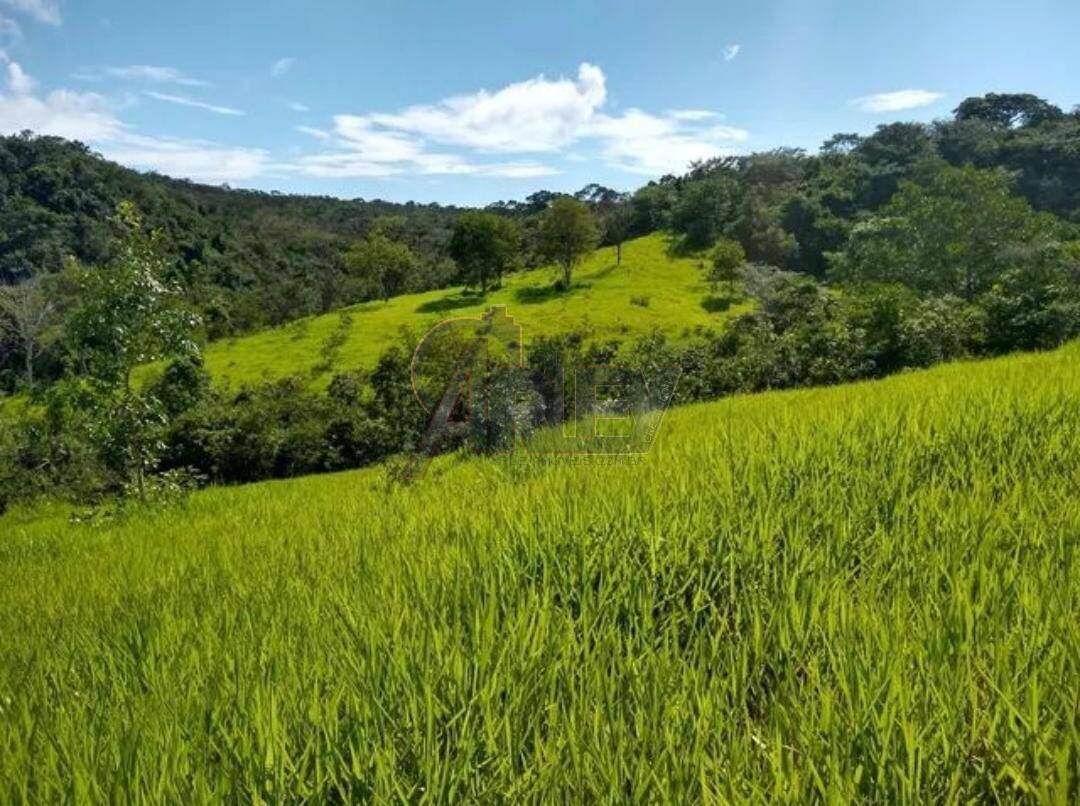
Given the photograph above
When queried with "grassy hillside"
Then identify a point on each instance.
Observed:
(649, 290)
(865, 592)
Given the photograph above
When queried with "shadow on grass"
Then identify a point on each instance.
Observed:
(463, 299)
(600, 274)
(682, 247)
(717, 303)
(535, 294)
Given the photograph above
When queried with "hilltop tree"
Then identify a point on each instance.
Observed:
(384, 266)
(1009, 110)
(485, 245)
(567, 233)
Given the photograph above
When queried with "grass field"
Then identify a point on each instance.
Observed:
(649, 290)
(867, 592)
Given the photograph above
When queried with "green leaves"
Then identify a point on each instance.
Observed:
(568, 232)
(387, 267)
(485, 246)
(954, 232)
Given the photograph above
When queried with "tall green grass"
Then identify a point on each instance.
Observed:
(861, 593)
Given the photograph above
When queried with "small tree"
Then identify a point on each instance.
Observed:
(567, 233)
(385, 266)
(618, 220)
(727, 258)
(26, 316)
(485, 245)
(125, 315)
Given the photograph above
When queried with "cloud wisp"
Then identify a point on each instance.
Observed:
(897, 101)
(46, 11)
(282, 66)
(182, 100)
(154, 74)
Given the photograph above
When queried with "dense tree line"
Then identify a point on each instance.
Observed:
(244, 259)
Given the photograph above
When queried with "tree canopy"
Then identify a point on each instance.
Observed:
(485, 246)
(567, 233)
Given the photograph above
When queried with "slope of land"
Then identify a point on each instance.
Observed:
(650, 290)
(863, 592)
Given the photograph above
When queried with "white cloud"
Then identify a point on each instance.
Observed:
(897, 101)
(282, 66)
(149, 72)
(343, 165)
(91, 119)
(538, 116)
(181, 100)
(197, 160)
(18, 81)
(535, 115)
(316, 133)
(642, 143)
(76, 116)
(465, 135)
(375, 145)
(47, 11)
(693, 115)
(296, 106)
(731, 51)
(350, 165)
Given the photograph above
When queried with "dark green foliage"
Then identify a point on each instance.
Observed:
(567, 233)
(706, 209)
(380, 267)
(1008, 110)
(245, 259)
(727, 258)
(485, 246)
(956, 233)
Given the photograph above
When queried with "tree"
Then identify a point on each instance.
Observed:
(567, 233)
(706, 209)
(651, 208)
(1009, 110)
(727, 258)
(618, 219)
(761, 234)
(26, 316)
(386, 267)
(485, 245)
(126, 314)
(954, 233)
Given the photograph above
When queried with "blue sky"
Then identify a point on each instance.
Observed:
(474, 102)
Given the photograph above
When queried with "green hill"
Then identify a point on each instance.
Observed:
(868, 592)
(649, 290)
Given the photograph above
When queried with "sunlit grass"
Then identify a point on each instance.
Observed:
(866, 593)
(669, 293)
